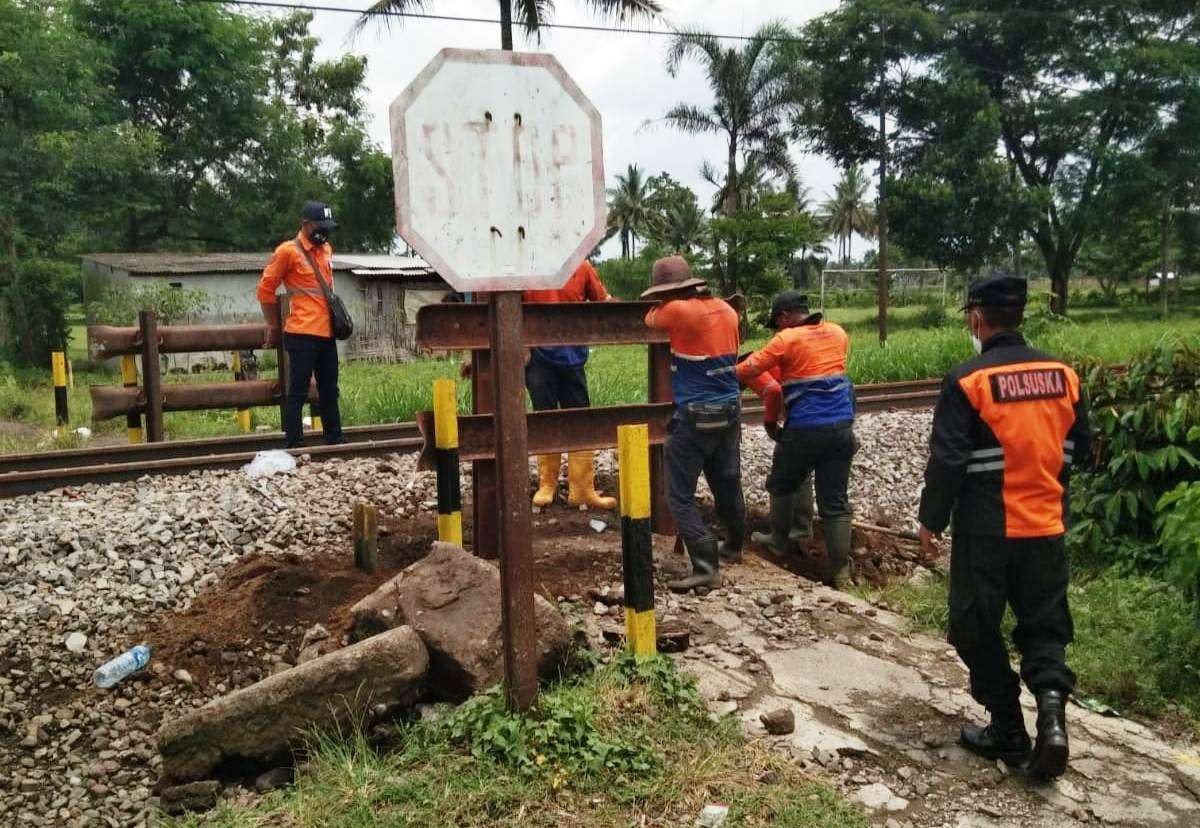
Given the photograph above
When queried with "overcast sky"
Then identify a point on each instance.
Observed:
(622, 73)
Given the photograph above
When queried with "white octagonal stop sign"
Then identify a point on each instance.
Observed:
(499, 170)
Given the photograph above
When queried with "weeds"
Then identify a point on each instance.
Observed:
(627, 742)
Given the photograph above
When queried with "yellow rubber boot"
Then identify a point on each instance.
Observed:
(548, 466)
(581, 482)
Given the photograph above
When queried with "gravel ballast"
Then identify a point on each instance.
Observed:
(84, 569)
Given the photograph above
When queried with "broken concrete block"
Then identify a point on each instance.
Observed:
(264, 721)
(452, 599)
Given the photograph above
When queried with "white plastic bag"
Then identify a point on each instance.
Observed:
(267, 463)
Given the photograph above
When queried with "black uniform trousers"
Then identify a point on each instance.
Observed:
(307, 355)
(554, 386)
(717, 454)
(1030, 575)
(825, 451)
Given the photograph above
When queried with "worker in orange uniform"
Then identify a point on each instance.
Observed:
(818, 434)
(555, 378)
(794, 520)
(1008, 426)
(704, 433)
(307, 334)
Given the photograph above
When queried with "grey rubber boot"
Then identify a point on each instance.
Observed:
(735, 537)
(837, 545)
(777, 539)
(706, 567)
(802, 512)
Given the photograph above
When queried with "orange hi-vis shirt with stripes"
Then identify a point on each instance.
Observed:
(308, 312)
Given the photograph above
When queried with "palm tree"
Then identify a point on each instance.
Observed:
(630, 209)
(752, 94)
(848, 211)
(683, 227)
(531, 14)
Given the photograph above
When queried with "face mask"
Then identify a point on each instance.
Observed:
(318, 236)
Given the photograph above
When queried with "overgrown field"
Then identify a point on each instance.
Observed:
(922, 343)
(614, 747)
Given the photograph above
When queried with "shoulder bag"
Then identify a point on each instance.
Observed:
(340, 322)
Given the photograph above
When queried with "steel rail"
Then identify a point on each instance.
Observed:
(42, 471)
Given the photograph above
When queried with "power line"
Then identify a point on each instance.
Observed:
(492, 21)
(290, 5)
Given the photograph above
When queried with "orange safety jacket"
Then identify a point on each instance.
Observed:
(704, 343)
(766, 386)
(583, 286)
(308, 312)
(811, 359)
(1008, 427)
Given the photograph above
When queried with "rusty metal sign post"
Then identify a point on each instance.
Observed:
(499, 181)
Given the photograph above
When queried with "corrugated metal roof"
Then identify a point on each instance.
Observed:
(182, 264)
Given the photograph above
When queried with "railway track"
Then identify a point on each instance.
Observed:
(42, 471)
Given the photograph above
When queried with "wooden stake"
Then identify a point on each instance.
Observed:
(366, 536)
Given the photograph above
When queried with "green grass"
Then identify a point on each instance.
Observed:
(614, 748)
(1137, 640)
(376, 393)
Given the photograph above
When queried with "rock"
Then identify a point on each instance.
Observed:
(194, 796)
(600, 609)
(272, 779)
(452, 599)
(313, 634)
(262, 721)
(779, 722)
(183, 677)
(879, 797)
(76, 642)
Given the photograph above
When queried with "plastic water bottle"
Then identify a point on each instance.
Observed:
(126, 664)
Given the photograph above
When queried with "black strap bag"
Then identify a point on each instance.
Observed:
(339, 317)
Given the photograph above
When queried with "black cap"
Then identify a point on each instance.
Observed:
(998, 291)
(319, 212)
(789, 300)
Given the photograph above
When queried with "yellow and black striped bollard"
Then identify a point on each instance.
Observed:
(58, 370)
(637, 556)
(129, 379)
(315, 419)
(449, 491)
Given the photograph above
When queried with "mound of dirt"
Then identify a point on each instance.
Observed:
(256, 616)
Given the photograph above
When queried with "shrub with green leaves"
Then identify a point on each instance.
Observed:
(1146, 434)
(119, 304)
(1178, 526)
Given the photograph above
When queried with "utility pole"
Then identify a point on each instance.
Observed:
(1166, 228)
(882, 287)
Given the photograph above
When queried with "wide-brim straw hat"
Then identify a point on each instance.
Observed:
(670, 274)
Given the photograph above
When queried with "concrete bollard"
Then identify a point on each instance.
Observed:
(58, 370)
(449, 490)
(637, 554)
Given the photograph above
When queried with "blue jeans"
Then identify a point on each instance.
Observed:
(718, 455)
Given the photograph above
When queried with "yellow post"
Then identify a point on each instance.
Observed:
(129, 379)
(637, 554)
(58, 371)
(242, 415)
(449, 492)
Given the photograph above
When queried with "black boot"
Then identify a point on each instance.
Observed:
(802, 512)
(1052, 750)
(735, 536)
(777, 539)
(1005, 738)
(706, 565)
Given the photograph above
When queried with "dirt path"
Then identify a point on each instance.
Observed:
(878, 708)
